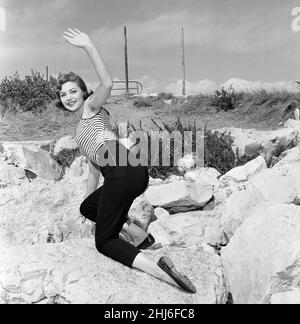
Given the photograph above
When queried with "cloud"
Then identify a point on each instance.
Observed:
(249, 86)
(192, 88)
(234, 32)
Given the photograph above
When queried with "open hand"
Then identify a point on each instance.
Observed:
(77, 38)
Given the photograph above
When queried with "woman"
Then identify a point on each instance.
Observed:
(122, 184)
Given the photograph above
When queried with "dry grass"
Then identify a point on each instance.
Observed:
(260, 110)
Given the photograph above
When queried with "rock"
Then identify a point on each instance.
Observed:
(180, 196)
(280, 184)
(11, 175)
(251, 142)
(267, 242)
(68, 142)
(42, 164)
(187, 163)
(141, 212)
(292, 155)
(78, 168)
(284, 286)
(155, 182)
(189, 229)
(39, 212)
(243, 173)
(286, 298)
(12, 152)
(126, 142)
(74, 272)
(292, 123)
(238, 207)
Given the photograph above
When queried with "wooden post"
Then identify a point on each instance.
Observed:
(126, 61)
(183, 63)
(47, 72)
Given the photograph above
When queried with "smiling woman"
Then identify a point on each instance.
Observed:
(2, 19)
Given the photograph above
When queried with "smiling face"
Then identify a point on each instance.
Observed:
(71, 96)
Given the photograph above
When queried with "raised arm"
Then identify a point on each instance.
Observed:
(82, 40)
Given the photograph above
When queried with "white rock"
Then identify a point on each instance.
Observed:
(267, 242)
(78, 168)
(253, 142)
(126, 142)
(85, 276)
(180, 196)
(67, 142)
(189, 229)
(292, 123)
(292, 155)
(286, 298)
(12, 152)
(11, 175)
(243, 173)
(188, 162)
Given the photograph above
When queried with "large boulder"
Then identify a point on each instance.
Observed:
(43, 211)
(78, 168)
(243, 173)
(189, 229)
(292, 155)
(11, 175)
(252, 142)
(292, 123)
(74, 272)
(65, 143)
(43, 164)
(280, 184)
(192, 193)
(12, 152)
(284, 286)
(268, 241)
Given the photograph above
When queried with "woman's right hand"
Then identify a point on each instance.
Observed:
(76, 38)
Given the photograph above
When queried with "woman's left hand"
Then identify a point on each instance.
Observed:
(77, 38)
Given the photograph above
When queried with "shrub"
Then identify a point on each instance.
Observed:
(29, 94)
(218, 151)
(225, 99)
(165, 96)
(142, 102)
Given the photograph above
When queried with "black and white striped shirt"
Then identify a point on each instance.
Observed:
(93, 132)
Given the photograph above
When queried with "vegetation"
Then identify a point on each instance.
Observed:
(33, 93)
(218, 151)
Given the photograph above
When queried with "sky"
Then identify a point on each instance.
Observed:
(224, 40)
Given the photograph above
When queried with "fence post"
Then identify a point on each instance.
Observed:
(126, 61)
(183, 63)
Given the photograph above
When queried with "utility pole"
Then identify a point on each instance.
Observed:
(183, 63)
(47, 72)
(126, 61)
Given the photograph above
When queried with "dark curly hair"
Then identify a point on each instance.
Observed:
(70, 77)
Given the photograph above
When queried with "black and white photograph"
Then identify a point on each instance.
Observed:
(149, 154)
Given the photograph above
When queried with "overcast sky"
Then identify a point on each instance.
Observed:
(251, 40)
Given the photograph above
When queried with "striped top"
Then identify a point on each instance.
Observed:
(93, 132)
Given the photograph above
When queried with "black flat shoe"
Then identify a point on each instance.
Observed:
(183, 281)
(149, 240)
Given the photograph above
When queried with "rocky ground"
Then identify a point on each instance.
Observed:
(233, 235)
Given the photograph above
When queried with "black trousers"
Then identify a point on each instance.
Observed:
(108, 206)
